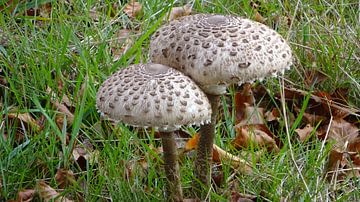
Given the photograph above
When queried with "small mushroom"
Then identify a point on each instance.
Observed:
(155, 95)
(216, 51)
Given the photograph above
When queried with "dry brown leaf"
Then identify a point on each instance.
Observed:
(344, 159)
(47, 193)
(257, 135)
(314, 76)
(84, 154)
(252, 115)
(342, 164)
(177, 12)
(133, 9)
(64, 111)
(235, 162)
(120, 43)
(305, 132)
(192, 142)
(259, 17)
(240, 197)
(8, 5)
(243, 99)
(220, 155)
(26, 118)
(312, 119)
(273, 115)
(320, 103)
(25, 195)
(64, 178)
(281, 21)
(343, 133)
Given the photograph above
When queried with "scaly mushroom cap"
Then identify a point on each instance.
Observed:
(153, 95)
(217, 50)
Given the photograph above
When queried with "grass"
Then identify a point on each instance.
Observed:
(71, 48)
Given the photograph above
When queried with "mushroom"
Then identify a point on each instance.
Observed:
(155, 95)
(216, 51)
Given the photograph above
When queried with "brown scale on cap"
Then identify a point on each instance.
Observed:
(217, 50)
(153, 95)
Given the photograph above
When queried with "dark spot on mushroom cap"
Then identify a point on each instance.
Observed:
(244, 65)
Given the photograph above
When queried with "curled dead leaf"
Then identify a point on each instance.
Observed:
(221, 155)
(133, 9)
(257, 135)
(240, 197)
(342, 133)
(64, 178)
(26, 118)
(64, 111)
(48, 193)
(177, 12)
(26, 195)
(192, 142)
(304, 133)
(236, 162)
(259, 18)
(120, 43)
(85, 154)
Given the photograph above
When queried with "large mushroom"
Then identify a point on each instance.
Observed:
(216, 51)
(155, 95)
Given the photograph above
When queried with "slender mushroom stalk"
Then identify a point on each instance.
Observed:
(171, 165)
(154, 95)
(216, 51)
(205, 145)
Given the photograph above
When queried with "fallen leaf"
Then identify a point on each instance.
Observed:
(133, 9)
(220, 155)
(47, 193)
(342, 133)
(94, 14)
(217, 174)
(8, 5)
(235, 162)
(26, 118)
(240, 197)
(64, 111)
(85, 154)
(259, 18)
(341, 164)
(64, 178)
(273, 115)
(243, 99)
(177, 12)
(25, 195)
(256, 134)
(120, 43)
(314, 76)
(252, 115)
(192, 142)
(344, 159)
(304, 133)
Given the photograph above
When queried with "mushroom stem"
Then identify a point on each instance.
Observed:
(173, 188)
(205, 148)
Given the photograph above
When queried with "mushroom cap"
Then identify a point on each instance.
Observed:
(153, 95)
(217, 50)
